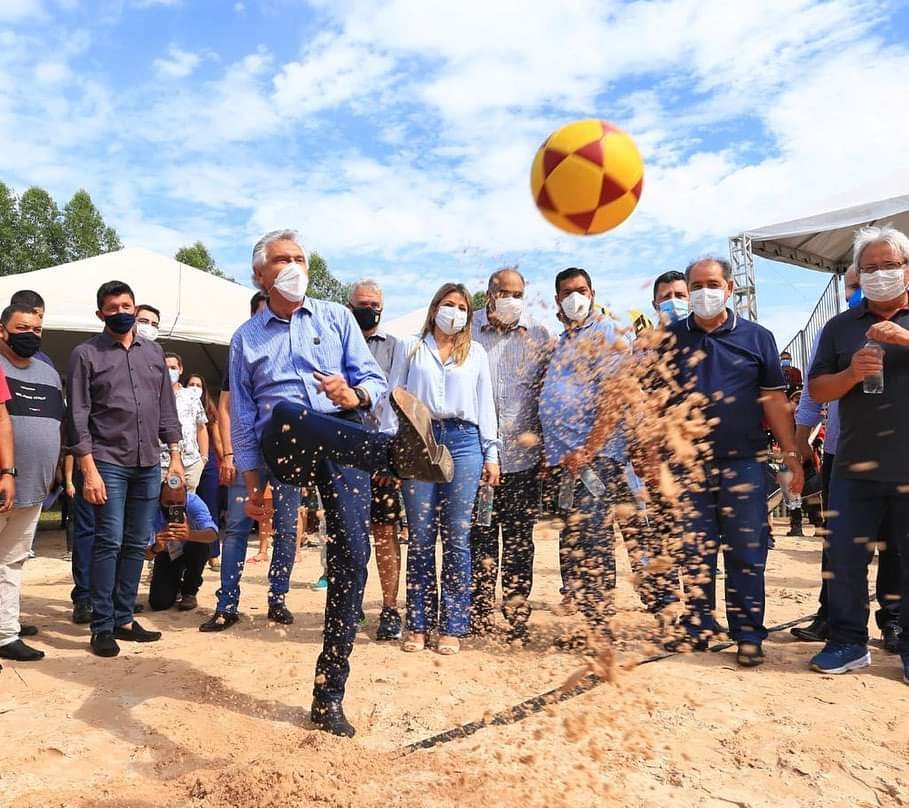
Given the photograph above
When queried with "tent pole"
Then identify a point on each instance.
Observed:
(744, 293)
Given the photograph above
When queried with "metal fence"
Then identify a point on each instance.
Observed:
(829, 304)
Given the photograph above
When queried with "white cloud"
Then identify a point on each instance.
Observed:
(178, 65)
(51, 72)
(17, 10)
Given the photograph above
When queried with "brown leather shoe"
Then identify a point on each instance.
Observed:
(415, 454)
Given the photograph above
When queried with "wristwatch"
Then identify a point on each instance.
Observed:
(12, 471)
(362, 396)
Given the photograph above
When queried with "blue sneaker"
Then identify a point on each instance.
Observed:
(905, 658)
(322, 583)
(841, 658)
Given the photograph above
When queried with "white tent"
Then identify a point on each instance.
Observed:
(407, 325)
(199, 312)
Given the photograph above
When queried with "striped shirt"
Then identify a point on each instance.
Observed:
(516, 364)
(274, 360)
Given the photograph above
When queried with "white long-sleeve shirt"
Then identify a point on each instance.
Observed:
(447, 389)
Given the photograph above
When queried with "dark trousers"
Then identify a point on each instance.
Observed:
(182, 576)
(888, 584)
(514, 512)
(729, 512)
(302, 446)
(860, 511)
(83, 521)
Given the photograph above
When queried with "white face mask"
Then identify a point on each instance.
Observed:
(450, 319)
(174, 375)
(883, 285)
(708, 303)
(292, 282)
(576, 307)
(508, 310)
(147, 331)
(195, 392)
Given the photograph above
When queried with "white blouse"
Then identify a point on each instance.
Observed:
(447, 389)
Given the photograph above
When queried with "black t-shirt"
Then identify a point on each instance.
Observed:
(874, 428)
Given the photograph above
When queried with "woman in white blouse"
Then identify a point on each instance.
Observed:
(449, 373)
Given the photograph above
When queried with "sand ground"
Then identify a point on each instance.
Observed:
(221, 720)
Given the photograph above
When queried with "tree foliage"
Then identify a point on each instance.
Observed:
(35, 234)
(198, 256)
(322, 284)
(479, 300)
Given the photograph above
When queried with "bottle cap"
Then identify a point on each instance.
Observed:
(173, 481)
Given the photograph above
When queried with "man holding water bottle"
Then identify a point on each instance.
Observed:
(863, 363)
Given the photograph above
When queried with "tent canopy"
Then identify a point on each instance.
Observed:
(199, 311)
(824, 242)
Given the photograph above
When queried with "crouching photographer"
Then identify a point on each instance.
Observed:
(183, 533)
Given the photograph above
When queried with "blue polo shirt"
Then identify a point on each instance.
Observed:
(196, 514)
(740, 360)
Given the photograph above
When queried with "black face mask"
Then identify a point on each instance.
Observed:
(23, 343)
(120, 323)
(367, 318)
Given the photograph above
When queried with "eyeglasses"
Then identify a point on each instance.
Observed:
(876, 267)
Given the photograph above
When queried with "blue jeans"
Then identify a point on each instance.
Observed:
(446, 508)
(859, 509)
(234, 540)
(83, 517)
(122, 528)
(731, 512)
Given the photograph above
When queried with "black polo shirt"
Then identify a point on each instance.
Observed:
(740, 360)
(874, 428)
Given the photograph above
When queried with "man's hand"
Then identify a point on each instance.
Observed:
(176, 467)
(94, 491)
(865, 362)
(256, 506)
(889, 332)
(339, 392)
(797, 482)
(576, 459)
(7, 492)
(176, 532)
(490, 475)
(70, 489)
(227, 473)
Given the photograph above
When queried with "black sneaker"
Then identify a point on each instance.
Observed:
(890, 637)
(18, 651)
(517, 633)
(135, 633)
(329, 716)
(104, 645)
(219, 621)
(749, 654)
(82, 612)
(389, 624)
(279, 613)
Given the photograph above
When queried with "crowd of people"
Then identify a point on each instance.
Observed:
(460, 428)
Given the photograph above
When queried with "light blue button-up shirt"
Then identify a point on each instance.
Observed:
(447, 389)
(810, 412)
(571, 390)
(274, 360)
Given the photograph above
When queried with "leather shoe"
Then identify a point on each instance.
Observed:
(414, 453)
(279, 613)
(82, 612)
(219, 621)
(18, 651)
(188, 603)
(890, 637)
(816, 631)
(135, 633)
(104, 645)
(329, 717)
(27, 631)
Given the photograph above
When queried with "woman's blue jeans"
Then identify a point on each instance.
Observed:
(445, 508)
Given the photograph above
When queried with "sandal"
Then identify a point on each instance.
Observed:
(414, 642)
(450, 646)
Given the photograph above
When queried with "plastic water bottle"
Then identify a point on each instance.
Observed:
(485, 498)
(566, 491)
(795, 502)
(592, 482)
(874, 382)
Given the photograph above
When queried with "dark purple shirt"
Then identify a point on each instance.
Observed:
(121, 402)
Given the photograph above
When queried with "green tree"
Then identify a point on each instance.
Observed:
(479, 300)
(86, 233)
(41, 237)
(110, 240)
(322, 284)
(9, 230)
(198, 256)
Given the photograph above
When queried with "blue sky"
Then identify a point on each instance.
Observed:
(397, 136)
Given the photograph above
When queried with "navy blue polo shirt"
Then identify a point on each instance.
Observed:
(740, 360)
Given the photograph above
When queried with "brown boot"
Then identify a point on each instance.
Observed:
(415, 454)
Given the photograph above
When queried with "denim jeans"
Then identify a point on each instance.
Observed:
(122, 528)
(730, 513)
(444, 508)
(859, 510)
(234, 540)
(83, 519)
